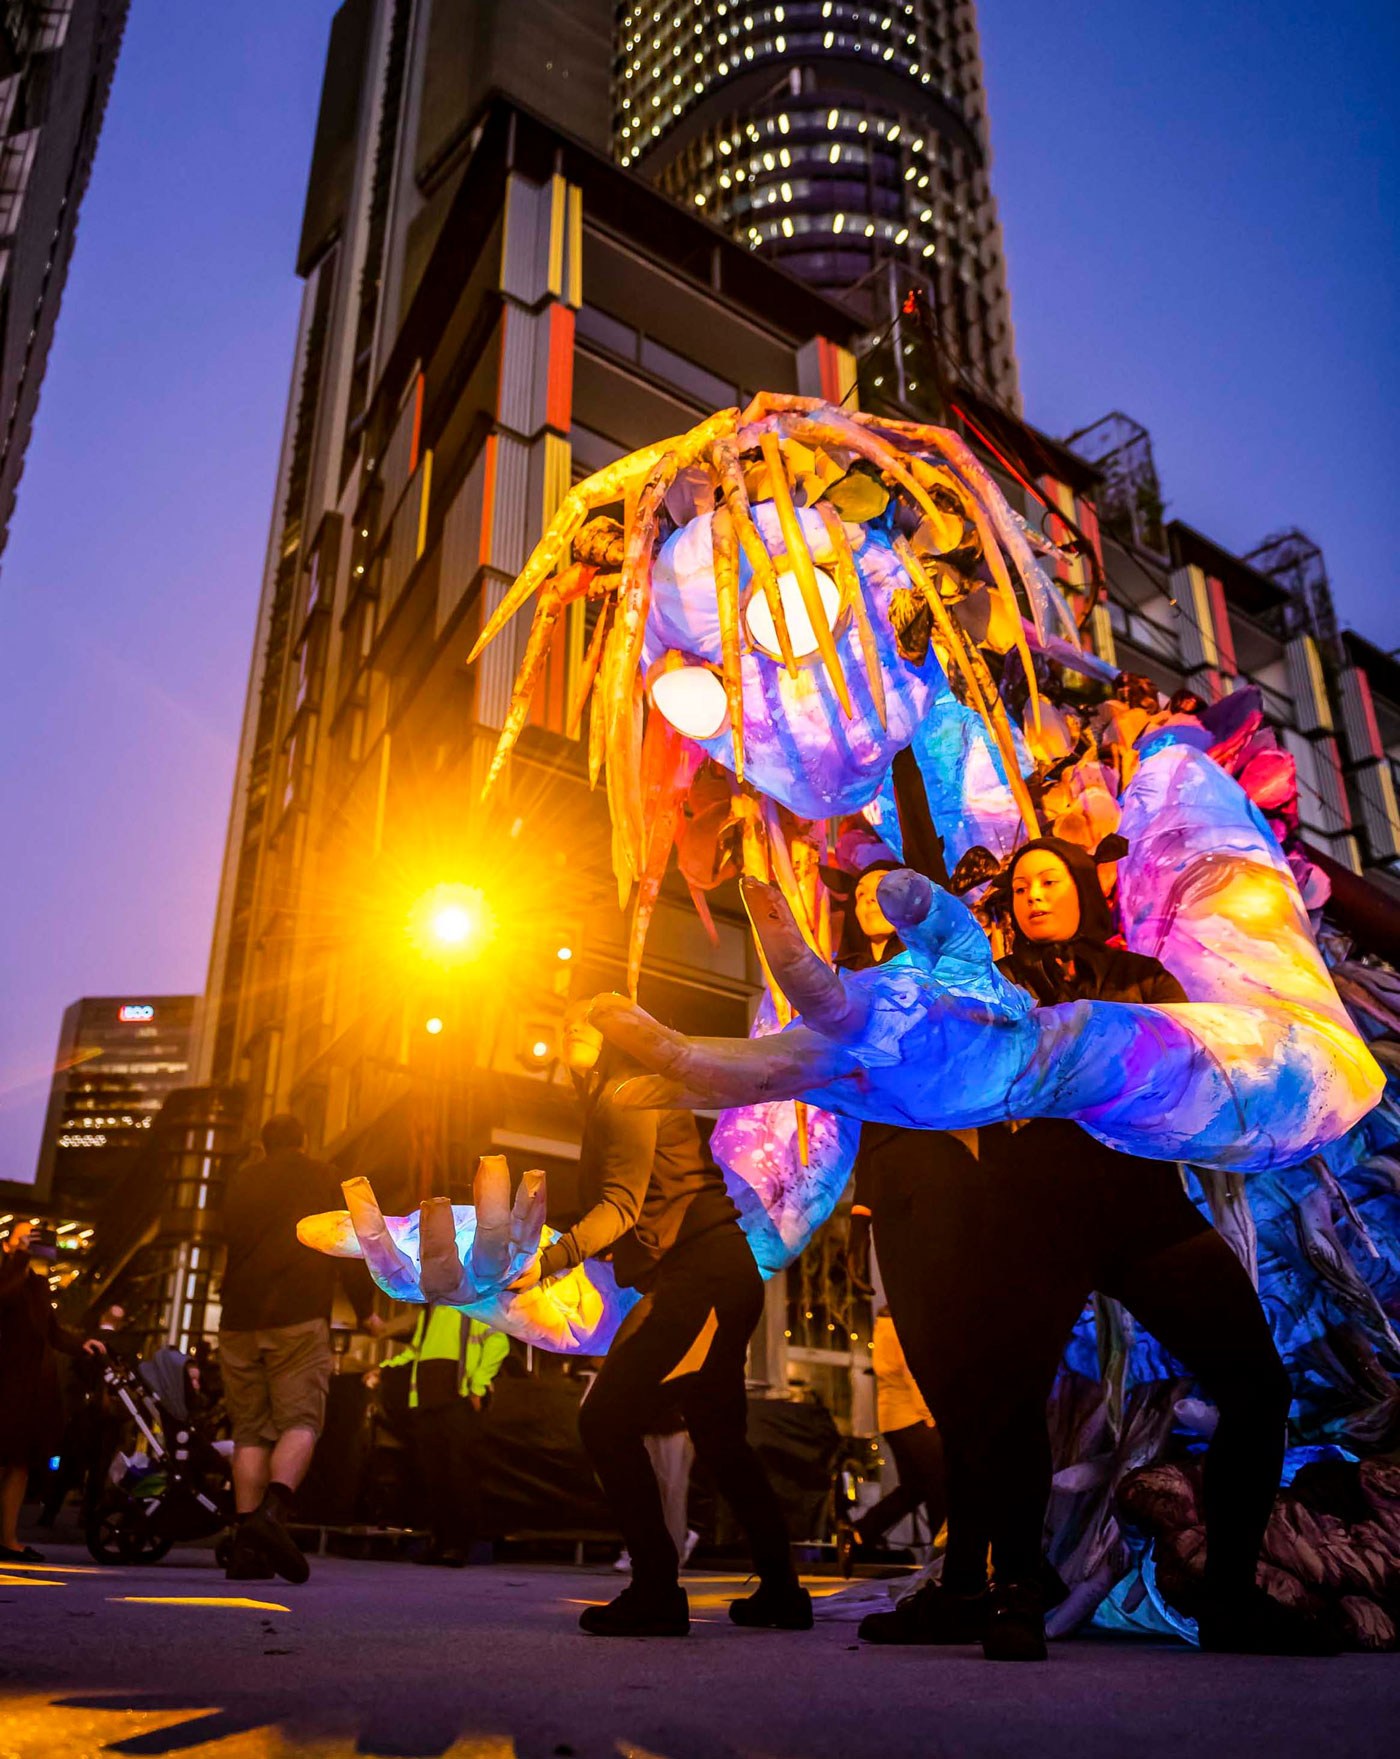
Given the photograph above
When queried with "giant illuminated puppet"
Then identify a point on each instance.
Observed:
(793, 595)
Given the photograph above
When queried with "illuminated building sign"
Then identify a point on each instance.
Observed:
(136, 1011)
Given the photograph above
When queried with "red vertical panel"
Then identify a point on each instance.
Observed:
(1220, 617)
(559, 400)
(1368, 708)
(417, 426)
(828, 362)
(1054, 527)
(1088, 517)
(488, 501)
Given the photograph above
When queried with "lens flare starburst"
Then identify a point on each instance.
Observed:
(452, 924)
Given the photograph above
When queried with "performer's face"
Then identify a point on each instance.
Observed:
(872, 919)
(583, 1043)
(1044, 898)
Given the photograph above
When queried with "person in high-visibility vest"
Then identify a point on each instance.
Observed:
(454, 1360)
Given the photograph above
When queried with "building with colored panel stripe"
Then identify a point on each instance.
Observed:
(847, 141)
(470, 346)
(1185, 613)
(1367, 691)
(1178, 609)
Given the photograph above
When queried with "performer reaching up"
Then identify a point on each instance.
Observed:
(659, 1209)
(989, 1251)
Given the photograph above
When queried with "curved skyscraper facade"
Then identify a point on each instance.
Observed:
(841, 139)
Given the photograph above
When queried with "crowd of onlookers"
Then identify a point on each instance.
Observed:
(266, 1383)
(267, 1379)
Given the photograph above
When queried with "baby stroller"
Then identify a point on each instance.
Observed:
(174, 1485)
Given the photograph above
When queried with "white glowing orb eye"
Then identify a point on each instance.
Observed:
(692, 700)
(759, 618)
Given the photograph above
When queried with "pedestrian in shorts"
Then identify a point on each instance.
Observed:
(274, 1341)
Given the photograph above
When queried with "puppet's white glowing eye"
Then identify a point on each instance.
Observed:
(692, 700)
(804, 638)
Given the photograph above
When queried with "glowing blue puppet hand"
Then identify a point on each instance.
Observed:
(466, 1256)
(787, 1174)
(925, 1040)
(937, 1039)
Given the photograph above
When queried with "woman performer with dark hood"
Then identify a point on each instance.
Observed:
(659, 1210)
(989, 1251)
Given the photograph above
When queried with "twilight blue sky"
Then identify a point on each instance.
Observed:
(1199, 204)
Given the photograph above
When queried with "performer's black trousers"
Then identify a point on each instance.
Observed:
(713, 1274)
(918, 1458)
(443, 1452)
(986, 1269)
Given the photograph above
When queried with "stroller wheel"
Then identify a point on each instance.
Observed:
(118, 1533)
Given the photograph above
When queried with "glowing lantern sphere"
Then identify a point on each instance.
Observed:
(804, 637)
(691, 697)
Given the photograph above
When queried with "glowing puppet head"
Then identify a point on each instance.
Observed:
(787, 594)
(815, 735)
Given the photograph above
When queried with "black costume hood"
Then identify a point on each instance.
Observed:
(854, 951)
(1041, 966)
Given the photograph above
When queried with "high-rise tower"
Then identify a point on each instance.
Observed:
(840, 137)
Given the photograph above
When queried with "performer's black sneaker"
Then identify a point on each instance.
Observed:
(640, 1612)
(1015, 1628)
(266, 1534)
(932, 1614)
(246, 1562)
(1259, 1625)
(776, 1606)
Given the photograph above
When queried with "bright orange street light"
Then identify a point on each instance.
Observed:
(452, 924)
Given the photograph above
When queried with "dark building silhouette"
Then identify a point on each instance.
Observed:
(118, 1057)
(57, 60)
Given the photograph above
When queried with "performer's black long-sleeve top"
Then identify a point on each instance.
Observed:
(892, 1146)
(648, 1182)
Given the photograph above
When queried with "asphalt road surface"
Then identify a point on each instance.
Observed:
(486, 1663)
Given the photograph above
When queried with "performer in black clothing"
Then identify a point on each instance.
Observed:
(660, 1210)
(991, 1242)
